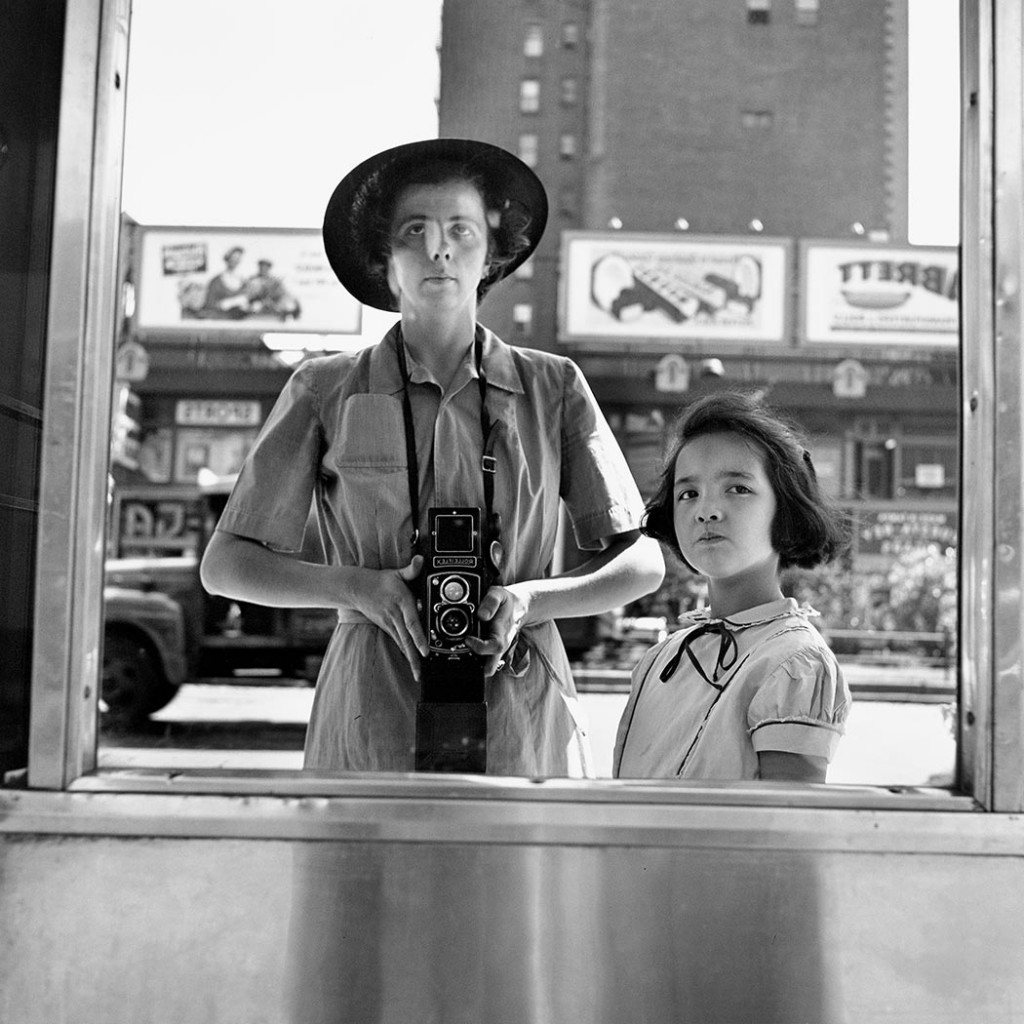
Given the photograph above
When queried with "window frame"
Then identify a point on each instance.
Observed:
(77, 410)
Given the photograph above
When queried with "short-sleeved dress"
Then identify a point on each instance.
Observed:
(769, 683)
(336, 437)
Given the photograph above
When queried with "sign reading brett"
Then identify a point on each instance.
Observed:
(870, 294)
(618, 286)
(239, 280)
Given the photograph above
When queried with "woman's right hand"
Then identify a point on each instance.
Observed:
(384, 597)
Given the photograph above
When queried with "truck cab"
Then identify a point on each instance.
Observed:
(162, 628)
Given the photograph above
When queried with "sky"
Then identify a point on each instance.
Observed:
(248, 112)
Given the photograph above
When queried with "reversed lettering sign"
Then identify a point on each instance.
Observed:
(217, 413)
(879, 294)
(893, 532)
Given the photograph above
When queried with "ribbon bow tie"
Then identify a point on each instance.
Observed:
(727, 653)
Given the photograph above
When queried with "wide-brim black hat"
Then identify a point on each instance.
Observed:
(510, 188)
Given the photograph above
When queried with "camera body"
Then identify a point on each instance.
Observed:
(453, 582)
(451, 717)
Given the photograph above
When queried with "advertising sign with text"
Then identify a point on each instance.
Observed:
(619, 286)
(240, 280)
(874, 294)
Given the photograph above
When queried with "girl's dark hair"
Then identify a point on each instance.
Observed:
(507, 221)
(808, 529)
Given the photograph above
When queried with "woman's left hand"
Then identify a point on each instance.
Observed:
(504, 608)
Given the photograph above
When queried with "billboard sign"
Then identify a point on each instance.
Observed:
(618, 286)
(239, 280)
(871, 294)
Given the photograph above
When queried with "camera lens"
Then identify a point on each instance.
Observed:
(453, 621)
(455, 590)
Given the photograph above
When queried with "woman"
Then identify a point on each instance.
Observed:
(225, 294)
(377, 438)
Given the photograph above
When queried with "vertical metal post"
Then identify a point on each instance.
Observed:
(77, 388)
(977, 414)
(1007, 735)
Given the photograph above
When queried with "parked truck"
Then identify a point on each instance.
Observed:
(161, 628)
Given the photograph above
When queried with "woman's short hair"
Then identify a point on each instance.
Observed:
(506, 223)
(808, 529)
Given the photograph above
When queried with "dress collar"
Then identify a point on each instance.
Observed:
(386, 379)
(756, 616)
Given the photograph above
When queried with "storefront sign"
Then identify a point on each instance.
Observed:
(893, 532)
(617, 287)
(239, 280)
(152, 525)
(672, 374)
(132, 363)
(850, 380)
(217, 413)
(879, 295)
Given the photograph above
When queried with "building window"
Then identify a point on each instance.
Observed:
(567, 147)
(759, 12)
(529, 96)
(570, 35)
(756, 118)
(522, 319)
(533, 44)
(524, 272)
(807, 12)
(570, 91)
(927, 469)
(527, 151)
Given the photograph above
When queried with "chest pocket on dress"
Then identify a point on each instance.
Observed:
(370, 434)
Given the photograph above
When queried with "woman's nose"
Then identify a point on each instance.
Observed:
(707, 514)
(439, 246)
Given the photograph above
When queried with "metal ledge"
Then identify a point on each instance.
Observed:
(412, 809)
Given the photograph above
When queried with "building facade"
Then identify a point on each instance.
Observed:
(683, 144)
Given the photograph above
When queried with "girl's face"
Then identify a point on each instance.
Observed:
(724, 509)
(438, 246)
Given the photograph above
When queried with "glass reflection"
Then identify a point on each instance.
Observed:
(776, 145)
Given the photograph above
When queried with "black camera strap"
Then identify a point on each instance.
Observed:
(488, 462)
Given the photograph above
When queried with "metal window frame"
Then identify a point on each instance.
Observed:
(79, 372)
(78, 392)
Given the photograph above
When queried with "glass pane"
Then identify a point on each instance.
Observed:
(788, 227)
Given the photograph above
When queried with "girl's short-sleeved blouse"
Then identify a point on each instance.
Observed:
(781, 689)
(335, 439)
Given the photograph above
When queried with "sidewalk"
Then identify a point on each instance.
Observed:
(887, 743)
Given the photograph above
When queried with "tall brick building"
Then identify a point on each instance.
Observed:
(688, 124)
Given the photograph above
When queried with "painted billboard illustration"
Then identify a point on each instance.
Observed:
(240, 280)
(634, 286)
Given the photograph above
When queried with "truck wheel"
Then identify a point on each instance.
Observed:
(133, 682)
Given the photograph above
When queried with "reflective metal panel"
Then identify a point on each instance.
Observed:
(1008, 558)
(978, 399)
(76, 412)
(219, 931)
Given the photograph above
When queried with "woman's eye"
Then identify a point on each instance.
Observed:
(741, 489)
(686, 495)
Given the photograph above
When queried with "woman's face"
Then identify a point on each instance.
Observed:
(438, 246)
(724, 508)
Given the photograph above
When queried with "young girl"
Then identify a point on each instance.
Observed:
(748, 688)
